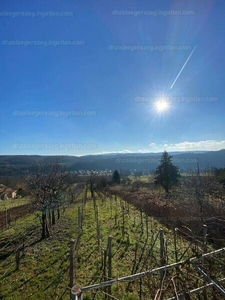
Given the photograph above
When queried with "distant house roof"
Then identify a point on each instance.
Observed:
(4, 190)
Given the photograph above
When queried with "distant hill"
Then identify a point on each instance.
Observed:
(12, 165)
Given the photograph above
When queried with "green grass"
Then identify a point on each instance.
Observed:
(9, 203)
(143, 178)
(44, 267)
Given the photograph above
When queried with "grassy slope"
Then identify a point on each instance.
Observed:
(9, 203)
(44, 268)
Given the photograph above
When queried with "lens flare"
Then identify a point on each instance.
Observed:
(161, 105)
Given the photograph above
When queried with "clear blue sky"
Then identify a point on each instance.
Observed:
(96, 97)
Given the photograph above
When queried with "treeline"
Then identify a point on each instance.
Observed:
(12, 165)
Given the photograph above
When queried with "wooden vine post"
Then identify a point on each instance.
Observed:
(72, 271)
(162, 255)
(204, 251)
(109, 262)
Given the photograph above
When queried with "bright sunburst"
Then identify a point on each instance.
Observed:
(161, 105)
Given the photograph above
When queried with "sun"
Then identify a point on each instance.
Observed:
(161, 105)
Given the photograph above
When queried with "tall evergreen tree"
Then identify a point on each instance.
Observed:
(167, 174)
(116, 177)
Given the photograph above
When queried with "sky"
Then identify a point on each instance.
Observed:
(96, 76)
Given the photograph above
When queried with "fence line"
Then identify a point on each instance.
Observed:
(216, 285)
(184, 294)
(11, 214)
(76, 291)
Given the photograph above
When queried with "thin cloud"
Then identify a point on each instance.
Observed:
(208, 145)
(115, 152)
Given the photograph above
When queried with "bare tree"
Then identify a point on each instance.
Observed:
(92, 183)
(200, 188)
(47, 186)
